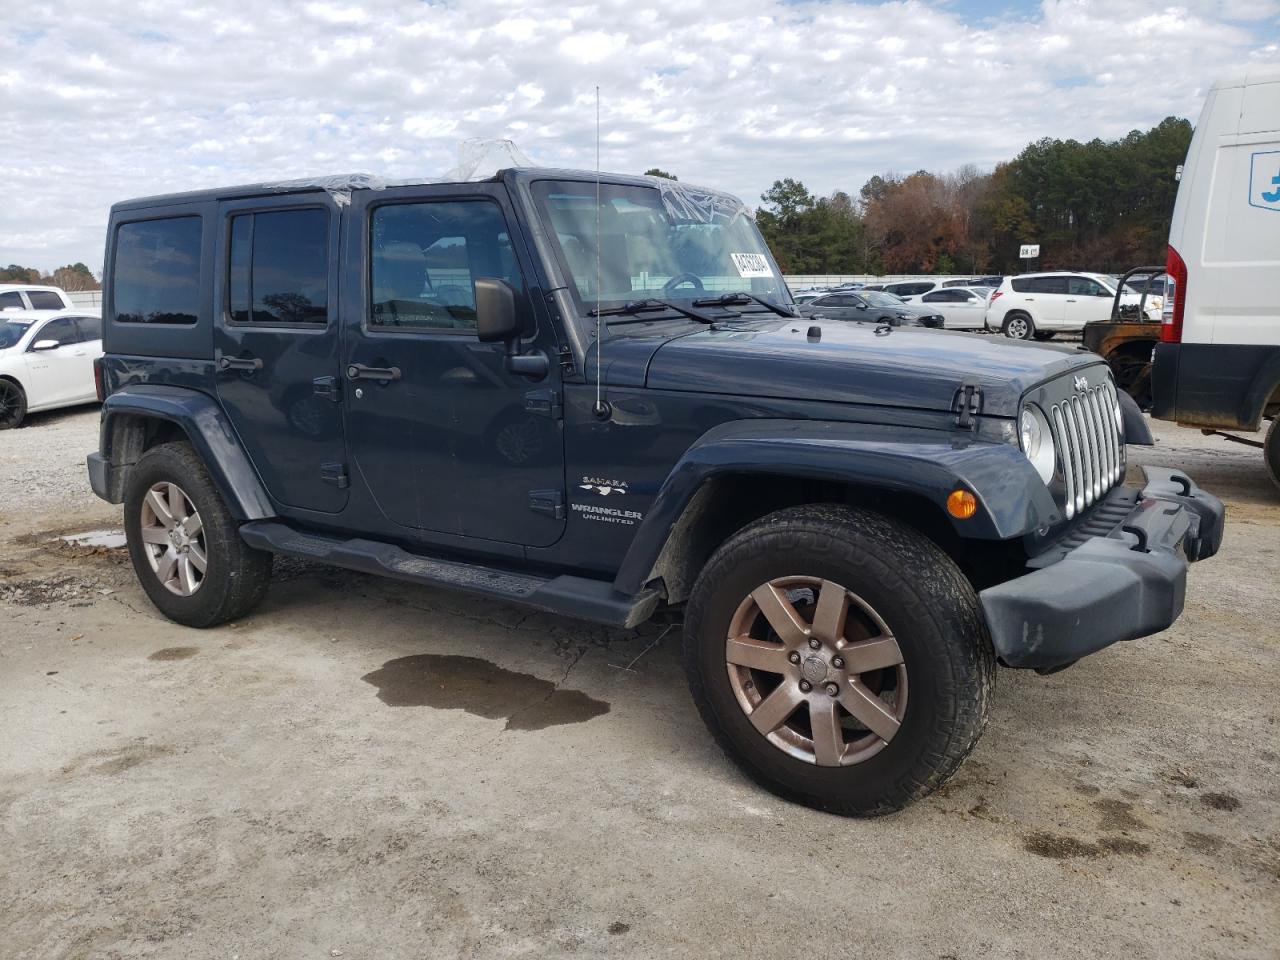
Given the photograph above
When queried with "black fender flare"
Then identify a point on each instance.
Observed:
(1136, 430)
(206, 427)
(1253, 405)
(1012, 500)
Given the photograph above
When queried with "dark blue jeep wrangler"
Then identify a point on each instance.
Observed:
(594, 397)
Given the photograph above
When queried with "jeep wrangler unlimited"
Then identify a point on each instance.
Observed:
(592, 395)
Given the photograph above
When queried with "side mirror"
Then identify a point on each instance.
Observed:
(46, 345)
(862, 306)
(496, 320)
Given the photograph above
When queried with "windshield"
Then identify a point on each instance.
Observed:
(649, 247)
(11, 332)
(875, 298)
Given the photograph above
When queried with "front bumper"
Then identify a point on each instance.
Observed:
(1098, 587)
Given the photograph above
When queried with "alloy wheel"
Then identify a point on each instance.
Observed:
(816, 670)
(10, 404)
(1018, 328)
(173, 539)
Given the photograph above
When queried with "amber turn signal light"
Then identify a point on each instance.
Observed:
(962, 504)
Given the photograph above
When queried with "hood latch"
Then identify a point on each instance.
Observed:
(967, 404)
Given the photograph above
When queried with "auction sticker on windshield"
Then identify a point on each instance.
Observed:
(751, 265)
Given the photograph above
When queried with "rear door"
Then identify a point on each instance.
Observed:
(276, 345)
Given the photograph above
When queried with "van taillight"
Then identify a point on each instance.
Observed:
(98, 383)
(1175, 300)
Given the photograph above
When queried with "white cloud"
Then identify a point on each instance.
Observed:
(107, 101)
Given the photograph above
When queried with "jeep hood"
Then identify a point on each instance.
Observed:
(909, 367)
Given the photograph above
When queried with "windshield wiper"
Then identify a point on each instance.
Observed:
(647, 304)
(741, 296)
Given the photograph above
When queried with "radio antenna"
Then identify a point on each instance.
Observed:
(601, 408)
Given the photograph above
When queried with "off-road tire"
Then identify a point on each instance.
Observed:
(15, 408)
(237, 575)
(1009, 319)
(925, 601)
(1271, 451)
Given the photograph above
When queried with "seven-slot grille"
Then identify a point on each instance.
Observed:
(1089, 444)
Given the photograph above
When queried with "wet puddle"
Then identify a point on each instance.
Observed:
(482, 689)
(107, 539)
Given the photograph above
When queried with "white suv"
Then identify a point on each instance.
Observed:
(25, 296)
(1041, 304)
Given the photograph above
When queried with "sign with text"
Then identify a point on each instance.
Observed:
(1029, 250)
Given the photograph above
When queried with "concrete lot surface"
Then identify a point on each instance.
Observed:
(371, 770)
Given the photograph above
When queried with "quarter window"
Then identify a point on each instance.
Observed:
(426, 257)
(156, 273)
(279, 267)
(11, 298)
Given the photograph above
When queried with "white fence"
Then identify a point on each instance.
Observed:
(807, 281)
(86, 298)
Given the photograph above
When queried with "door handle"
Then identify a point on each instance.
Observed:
(1070, 300)
(250, 364)
(358, 371)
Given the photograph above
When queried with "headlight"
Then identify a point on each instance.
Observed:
(1037, 441)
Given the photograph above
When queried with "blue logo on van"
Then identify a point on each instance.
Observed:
(1264, 181)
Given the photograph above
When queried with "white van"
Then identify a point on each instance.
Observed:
(1218, 362)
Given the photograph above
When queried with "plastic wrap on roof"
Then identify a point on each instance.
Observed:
(684, 201)
(478, 159)
(339, 186)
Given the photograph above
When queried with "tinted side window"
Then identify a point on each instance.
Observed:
(11, 298)
(426, 257)
(62, 329)
(1052, 285)
(1084, 287)
(156, 277)
(45, 300)
(90, 328)
(279, 267)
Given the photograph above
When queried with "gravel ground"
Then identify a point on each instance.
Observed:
(368, 769)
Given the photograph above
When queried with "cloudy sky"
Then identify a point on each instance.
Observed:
(118, 98)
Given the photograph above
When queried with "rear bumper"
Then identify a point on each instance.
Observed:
(1126, 584)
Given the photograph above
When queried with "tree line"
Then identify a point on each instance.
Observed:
(1098, 205)
(72, 277)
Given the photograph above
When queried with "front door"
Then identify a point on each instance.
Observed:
(1087, 300)
(276, 345)
(58, 374)
(444, 436)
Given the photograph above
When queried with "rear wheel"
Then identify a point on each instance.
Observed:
(184, 543)
(13, 404)
(1044, 334)
(839, 658)
(1271, 451)
(1019, 326)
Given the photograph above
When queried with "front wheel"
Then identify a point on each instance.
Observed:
(839, 658)
(185, 545)
(13, 404)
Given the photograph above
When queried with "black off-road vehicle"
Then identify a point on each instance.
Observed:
(595, 398)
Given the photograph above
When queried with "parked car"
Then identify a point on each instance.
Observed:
(27, 297)
(850, 285)
(912, 290)
(1038, 305)
(1217, 365)
(536, 389)
(960, 307)
(871, 306)
(46, 361)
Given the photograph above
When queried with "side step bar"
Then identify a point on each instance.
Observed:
(580, 597)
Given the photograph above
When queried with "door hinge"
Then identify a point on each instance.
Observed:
(327, 387)
(549, 502)
(335, 473)
(544, 403)
(967, 404)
